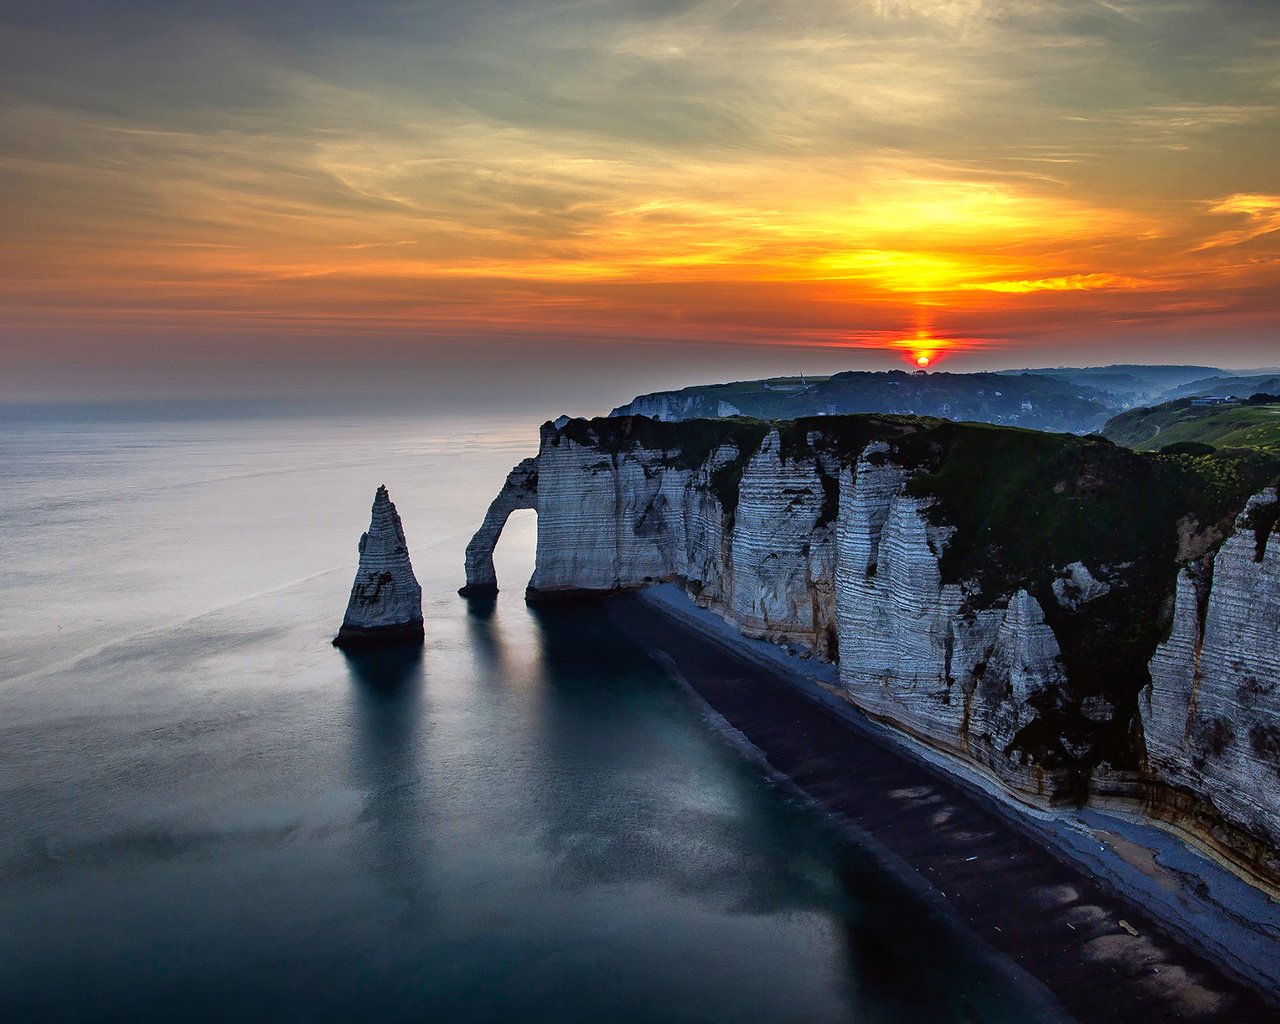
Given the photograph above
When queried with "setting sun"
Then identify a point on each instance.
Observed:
(922, 361)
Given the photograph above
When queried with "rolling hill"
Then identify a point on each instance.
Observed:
(1251, 424)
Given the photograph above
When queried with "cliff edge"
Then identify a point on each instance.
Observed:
(1061, 613)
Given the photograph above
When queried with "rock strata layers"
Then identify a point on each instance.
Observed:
(1211, 715)
(386, 600)
(1013, 599)
(519, 491)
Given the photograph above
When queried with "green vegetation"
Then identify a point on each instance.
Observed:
(686, 445)
(1024, 504)
(1030, 400)
(1254, 423)
(840, 440)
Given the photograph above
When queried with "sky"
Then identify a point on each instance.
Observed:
(239, 197)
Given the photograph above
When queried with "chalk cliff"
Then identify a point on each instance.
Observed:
(1211, 714)
(386, 600)
(519, 491)
(1009, 597)
(920, 652)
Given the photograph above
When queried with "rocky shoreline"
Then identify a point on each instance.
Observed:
(1083, 623)
(1121, 922)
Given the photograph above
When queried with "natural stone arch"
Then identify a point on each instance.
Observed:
(520, 491)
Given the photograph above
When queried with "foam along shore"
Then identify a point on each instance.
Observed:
(1120, 920)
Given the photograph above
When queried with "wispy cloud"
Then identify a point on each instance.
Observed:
(1260, 213)
(612, 166)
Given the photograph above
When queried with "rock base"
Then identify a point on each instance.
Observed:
(568, 595)
(380, 636)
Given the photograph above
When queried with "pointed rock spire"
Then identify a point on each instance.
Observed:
(386, 601)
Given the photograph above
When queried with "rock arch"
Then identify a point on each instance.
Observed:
(520, 491)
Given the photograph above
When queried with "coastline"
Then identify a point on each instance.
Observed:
(1130, 923)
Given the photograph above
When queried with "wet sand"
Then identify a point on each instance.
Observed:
(1105, 957)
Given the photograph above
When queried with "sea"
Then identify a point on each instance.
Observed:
(208, 813)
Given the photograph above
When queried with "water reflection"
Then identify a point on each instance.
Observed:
(387, 763)
(616, 727)
(715, 829)
(386, 671)
(481, 606)
(481, 629)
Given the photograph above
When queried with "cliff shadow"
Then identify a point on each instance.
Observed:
(388, 764)
(385, 670)
(480, 607)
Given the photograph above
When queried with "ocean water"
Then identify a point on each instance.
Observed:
(207, 813)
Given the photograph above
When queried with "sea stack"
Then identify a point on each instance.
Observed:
(386, 600)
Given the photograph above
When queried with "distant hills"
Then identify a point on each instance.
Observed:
(1227, 386)
(1129, 383)
(1067, 399)
(1185, 427)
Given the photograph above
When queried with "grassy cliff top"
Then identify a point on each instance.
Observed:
(1024, 505)
(1254, 424)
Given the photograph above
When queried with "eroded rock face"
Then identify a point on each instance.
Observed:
(386, 600)
(1211, 717)
(835, 558)
(519, 491)
(610, 521)
(914, 650)
(607, 522)
(1077, 586)
(775, 564)
(824, 540)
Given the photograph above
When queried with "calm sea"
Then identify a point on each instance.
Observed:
(209, 814)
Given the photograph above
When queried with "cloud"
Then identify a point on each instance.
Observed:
(1261, 214)
(603, 166)
(1069, 283)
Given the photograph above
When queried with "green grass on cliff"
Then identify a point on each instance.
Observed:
(686, 444)
(1026, 504)
(1023, 504)
(1248, 425)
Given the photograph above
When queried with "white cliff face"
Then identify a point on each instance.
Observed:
(773, 557)
(608, 521)
(386, 600)
(1077, 585)
(867, 584)
(1167, 704)
(860, 581)
(1211, 717)
(519, 491)
(708, 563)
(912, 650)
(1025, 663)
(670, 405)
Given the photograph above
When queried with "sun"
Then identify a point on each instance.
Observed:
(922, 361)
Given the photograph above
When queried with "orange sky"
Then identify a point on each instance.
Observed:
(1048, 181)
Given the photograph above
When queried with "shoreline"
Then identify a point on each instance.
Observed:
(1131, 923)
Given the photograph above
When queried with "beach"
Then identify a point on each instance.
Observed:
(1116, 919)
